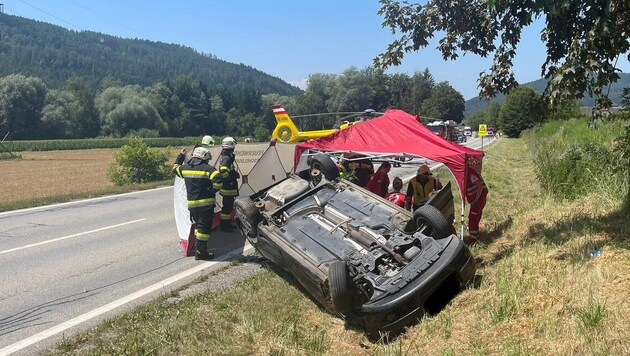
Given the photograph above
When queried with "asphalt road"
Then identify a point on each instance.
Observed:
(69, 266)
(63, 262)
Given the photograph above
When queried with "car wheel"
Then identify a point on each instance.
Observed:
(338, 285)
(248, 215)
(430, 217)
(325, 164)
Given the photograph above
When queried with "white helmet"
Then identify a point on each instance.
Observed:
(202, 153)
(228, 142)
(207, 141)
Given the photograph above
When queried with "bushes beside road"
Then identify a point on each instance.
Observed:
(573, 160)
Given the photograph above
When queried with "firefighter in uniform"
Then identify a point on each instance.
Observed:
(202, 183)
(229, 175)
(421, 187)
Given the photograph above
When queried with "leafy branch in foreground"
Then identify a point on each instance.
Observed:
(584, 40)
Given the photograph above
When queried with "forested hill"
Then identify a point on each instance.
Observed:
(473, 105)
(54, 54)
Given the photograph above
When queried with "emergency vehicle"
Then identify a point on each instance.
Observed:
(445, 129)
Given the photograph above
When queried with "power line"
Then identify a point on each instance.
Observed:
(49, 14)
(108, 18)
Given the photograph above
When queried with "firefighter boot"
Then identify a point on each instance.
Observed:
(201, 251)
(226, 225)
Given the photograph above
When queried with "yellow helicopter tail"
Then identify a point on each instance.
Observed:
(285, 130)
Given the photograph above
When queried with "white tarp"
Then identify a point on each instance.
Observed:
(259, 164)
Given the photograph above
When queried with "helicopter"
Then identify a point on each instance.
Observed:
(286, 131)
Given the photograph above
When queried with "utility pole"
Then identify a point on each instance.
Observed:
(1, 8)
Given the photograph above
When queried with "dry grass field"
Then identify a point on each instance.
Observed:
(56, 176)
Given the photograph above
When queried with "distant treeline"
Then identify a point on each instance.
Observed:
(29, 110)
(87, 144)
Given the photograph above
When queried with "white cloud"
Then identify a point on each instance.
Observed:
(302, 83)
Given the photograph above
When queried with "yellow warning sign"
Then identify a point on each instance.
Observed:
(483, 130)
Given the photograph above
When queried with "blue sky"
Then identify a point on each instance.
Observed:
(287, 39)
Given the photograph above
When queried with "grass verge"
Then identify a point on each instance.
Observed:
(540, 290)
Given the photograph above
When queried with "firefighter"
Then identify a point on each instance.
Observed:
(421, 187)
(229, 175)
(207, 141)
(202, 183)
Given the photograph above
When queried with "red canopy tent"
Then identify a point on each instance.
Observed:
(398, 133)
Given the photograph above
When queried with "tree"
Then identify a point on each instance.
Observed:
(353, 91)
(522, 110)
(125, 109)
(422, 84)
(87, 124)
(476, 119)
(625, 98)
(135, 162)
(584, 39)
(61, 115)
(400, 92)
(21, 102)
(445, 103)
(493, 113)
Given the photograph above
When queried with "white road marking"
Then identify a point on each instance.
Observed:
(117, 303)
(80, 201)
(70, 236)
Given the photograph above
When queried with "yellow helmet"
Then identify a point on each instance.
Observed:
(202, 153)
(228, 142)
(207, 141)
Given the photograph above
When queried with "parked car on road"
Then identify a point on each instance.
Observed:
(362, 257)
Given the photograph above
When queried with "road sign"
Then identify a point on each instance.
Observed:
(483, 130)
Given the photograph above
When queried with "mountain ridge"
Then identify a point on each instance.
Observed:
(475, 104)
(54, 54)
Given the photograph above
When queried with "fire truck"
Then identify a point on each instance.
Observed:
(445, 129)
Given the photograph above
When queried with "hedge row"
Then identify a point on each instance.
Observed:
(85, 144)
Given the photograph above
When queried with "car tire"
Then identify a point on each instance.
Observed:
(325, 164)
(338, 285)
(248, 215)
(431, 217)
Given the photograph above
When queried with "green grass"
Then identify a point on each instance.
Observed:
(537, 292)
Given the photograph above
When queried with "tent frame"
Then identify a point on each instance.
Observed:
(388, 157)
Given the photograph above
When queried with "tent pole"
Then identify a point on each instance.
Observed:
(462, 219)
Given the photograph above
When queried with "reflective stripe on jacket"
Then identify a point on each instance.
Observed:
(229, 175)
(202, 181)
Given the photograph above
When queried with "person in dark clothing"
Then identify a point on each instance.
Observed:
(421, 187)
(202, 183)
(360, 170)
(230, 177)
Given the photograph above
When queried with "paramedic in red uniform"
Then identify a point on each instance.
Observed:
(379, 181)
(476, 193)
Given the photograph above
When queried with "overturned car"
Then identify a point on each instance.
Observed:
(363, 258)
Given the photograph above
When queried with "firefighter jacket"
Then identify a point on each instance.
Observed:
(420, 191)
(229, 175)
(202, 181)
